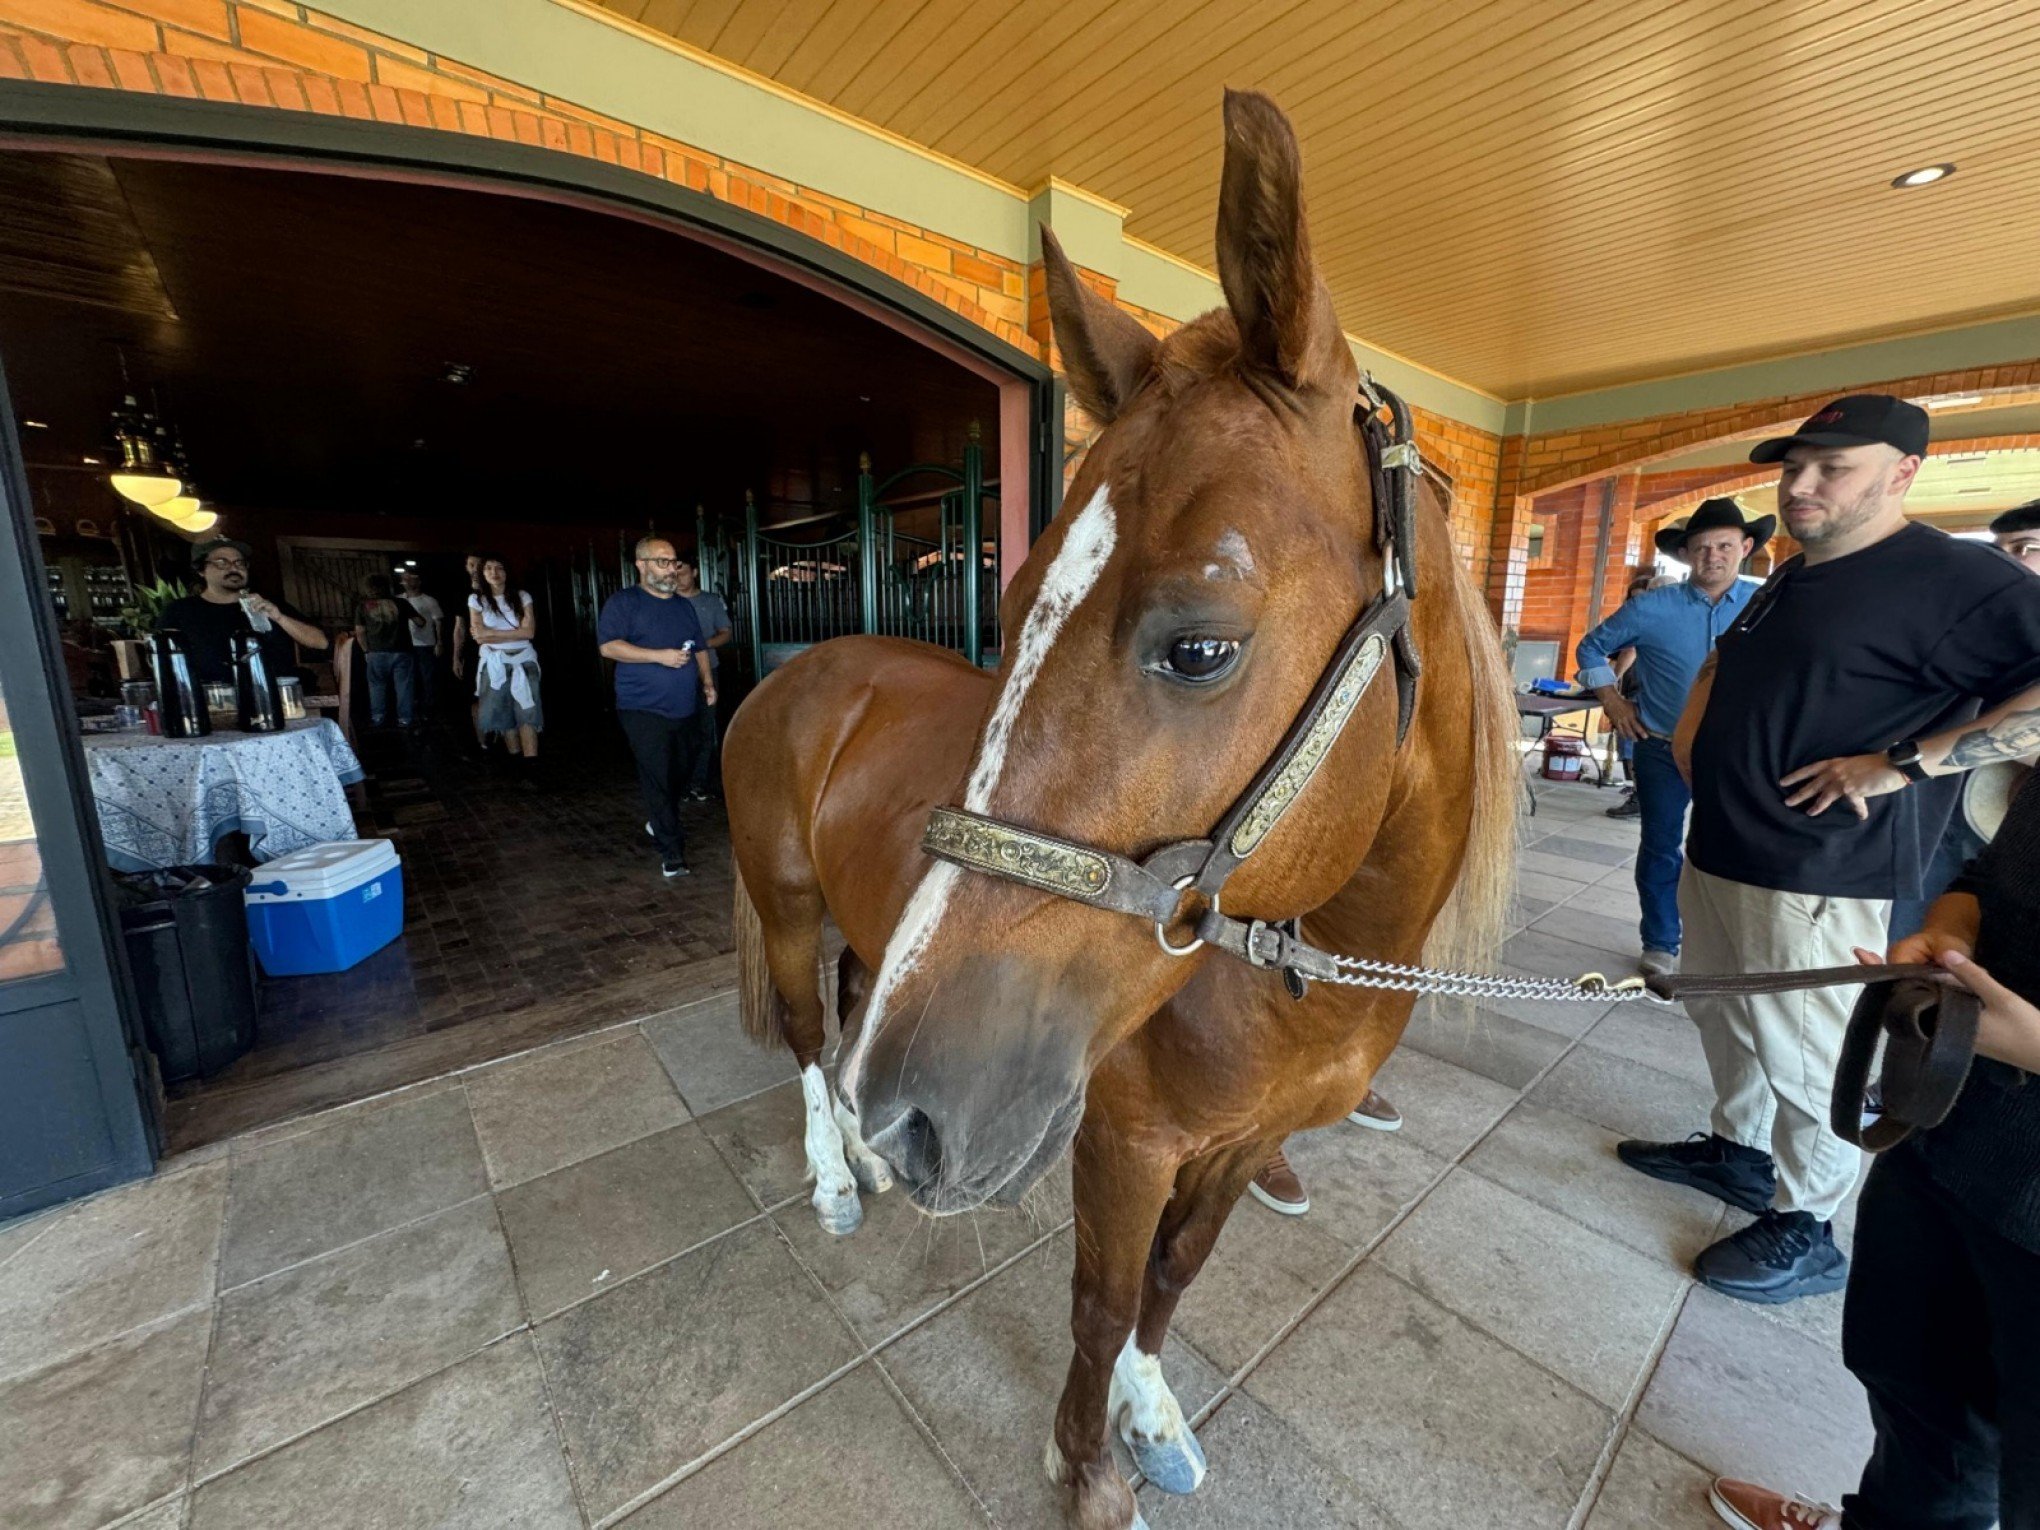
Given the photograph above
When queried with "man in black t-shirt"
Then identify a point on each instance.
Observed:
(209, 619)
(1822, 740)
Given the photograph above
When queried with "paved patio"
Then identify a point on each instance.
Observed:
(583, 1287)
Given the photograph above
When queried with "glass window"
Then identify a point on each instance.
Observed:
(28, 928)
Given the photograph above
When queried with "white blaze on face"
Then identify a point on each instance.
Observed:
(1087, 545)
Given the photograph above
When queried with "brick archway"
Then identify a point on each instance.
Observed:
(1534, 466)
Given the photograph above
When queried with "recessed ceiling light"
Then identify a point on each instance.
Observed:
(1955, 401)
(1926, 175)
(34, 425)
(89, 461)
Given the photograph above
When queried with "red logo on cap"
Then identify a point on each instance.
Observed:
(1826, 417)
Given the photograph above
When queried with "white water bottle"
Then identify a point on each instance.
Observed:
(256, 620)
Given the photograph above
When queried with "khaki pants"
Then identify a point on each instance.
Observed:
(1773, 1055)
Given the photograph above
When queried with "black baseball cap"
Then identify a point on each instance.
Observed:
(200, 551)
(1861, 419)
(2025, 518)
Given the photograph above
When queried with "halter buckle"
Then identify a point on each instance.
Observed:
(1256, 930)
(1404, 455)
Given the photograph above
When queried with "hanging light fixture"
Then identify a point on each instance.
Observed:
(143, 476)
(200, 520)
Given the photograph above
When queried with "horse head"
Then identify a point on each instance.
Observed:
(1216, 545)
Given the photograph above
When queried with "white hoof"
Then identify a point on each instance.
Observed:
(1175, 1466)
(1146, 1415)
(873, 1173)
(840, 1215)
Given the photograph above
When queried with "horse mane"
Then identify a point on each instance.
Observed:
(1469, 929)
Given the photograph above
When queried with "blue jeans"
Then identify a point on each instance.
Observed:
(1661, 791)
(389, 672)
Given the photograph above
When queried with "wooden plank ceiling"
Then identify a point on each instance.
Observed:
(1530, 197)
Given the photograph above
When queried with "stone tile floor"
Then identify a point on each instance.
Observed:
(582, 1287)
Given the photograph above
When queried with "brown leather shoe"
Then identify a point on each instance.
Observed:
(1376, 1113)
(1749, 1507)
(1278, 1188)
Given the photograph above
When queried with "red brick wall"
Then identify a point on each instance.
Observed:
(272, 53)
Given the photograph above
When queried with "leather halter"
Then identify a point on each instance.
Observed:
(1154, 888)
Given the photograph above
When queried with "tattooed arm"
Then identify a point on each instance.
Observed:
(2007, 732)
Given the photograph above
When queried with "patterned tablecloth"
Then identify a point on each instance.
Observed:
(165, 802)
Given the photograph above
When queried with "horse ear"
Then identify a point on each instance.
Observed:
(1284, 314)
(1106, 353)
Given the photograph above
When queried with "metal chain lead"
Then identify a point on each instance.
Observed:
(1591, 987)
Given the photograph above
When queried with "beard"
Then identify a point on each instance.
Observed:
(1841, 520)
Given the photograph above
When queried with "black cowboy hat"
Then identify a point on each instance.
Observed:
(1712, 515)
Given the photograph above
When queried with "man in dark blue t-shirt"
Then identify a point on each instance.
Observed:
(1823, 739)
(662, 675)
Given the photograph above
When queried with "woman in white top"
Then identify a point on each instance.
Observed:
(506, 667)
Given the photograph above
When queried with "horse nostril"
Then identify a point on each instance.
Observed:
(909, 1143)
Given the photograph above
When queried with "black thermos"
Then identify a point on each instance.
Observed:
(180, 699)
(258, 701)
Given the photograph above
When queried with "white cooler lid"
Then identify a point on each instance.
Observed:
(321, 871)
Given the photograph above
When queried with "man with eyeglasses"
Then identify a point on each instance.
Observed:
(2017, 532)
(662, 677)
(225, 605)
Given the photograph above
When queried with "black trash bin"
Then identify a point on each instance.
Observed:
(187, 942)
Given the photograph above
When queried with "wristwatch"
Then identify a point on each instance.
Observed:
(1905, 759)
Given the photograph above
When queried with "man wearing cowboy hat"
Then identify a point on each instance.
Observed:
(1812, 741)
(1672, 630)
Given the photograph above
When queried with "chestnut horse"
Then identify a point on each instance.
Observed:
(1218, 542)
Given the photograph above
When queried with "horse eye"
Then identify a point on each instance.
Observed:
(1202, 658)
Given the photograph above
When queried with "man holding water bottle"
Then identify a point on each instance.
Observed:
(662, 676)
(224, 606)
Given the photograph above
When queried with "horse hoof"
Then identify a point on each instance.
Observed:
(840, 1215)
(1174, 1466)
(872, 1176)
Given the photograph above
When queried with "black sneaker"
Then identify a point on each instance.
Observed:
(1726, 1170)
(1628, 807)
(675, 868)
(1780, 1257)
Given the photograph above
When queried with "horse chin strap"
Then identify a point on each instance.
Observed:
(1155, 888)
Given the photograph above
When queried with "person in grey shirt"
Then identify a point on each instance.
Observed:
(714, 615)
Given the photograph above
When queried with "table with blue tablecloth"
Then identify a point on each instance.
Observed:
(167, 801)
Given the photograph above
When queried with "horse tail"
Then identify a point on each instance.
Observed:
(1470, 929)
(762, 1009)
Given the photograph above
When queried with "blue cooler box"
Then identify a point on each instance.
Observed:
(324, 908)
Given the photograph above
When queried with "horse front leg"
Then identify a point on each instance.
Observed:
(1119, 1200)
(853, 988)
(1142, 1407)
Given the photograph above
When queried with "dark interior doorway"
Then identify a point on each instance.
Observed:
(370, 369)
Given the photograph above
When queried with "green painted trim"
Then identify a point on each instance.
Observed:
(1960, 349)
(607, 69)
(1091, 235)
(1149, 279)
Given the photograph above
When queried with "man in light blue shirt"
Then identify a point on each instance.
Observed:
(1672, 629)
